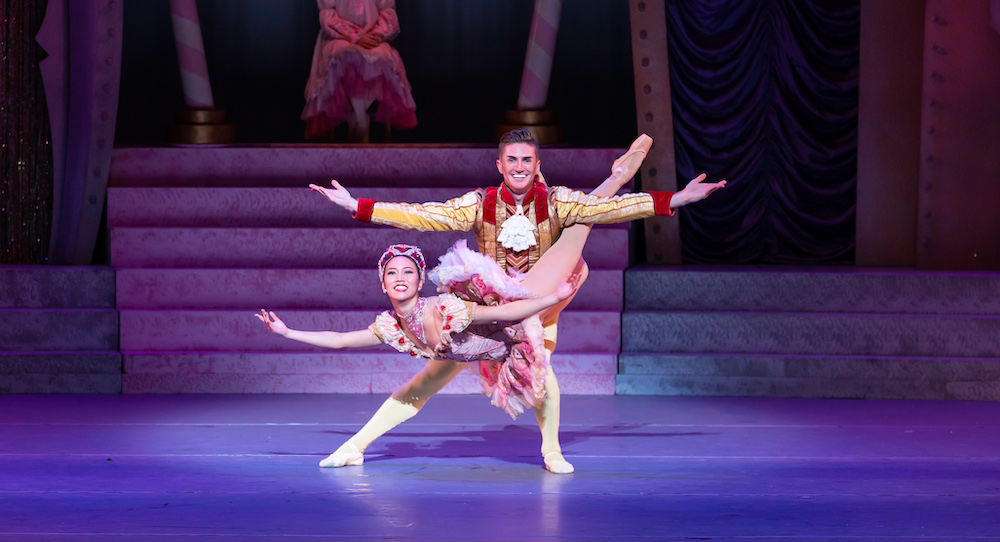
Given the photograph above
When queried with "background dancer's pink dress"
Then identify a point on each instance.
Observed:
(511, 358)
(342, 69)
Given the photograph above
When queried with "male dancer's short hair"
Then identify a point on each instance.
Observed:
(519, 135)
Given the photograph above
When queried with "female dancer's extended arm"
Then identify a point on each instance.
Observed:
(362, 338)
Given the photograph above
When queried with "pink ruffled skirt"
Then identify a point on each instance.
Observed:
(346, 71)
(517, 381)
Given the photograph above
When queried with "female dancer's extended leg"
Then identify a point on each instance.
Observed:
(402, 405)
(563, 257)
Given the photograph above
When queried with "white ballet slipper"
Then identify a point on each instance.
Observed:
(352, 457)
(557, 464)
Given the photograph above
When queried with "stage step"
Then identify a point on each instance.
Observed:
(62, 287)
(58, 330)
(238, 207)
(239, 330)
(837, 333)
(394, 166)
(60, 372)
(884, 377)
(855, 290)
(356, 247)
(811, 333)
(380, 370)
(254, 289)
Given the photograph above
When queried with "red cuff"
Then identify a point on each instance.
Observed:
(365, 208)
(661, 203)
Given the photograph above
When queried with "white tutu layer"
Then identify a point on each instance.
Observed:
(460, 264)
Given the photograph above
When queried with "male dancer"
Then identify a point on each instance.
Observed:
(515, 224)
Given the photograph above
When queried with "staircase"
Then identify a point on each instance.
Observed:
(841, 332)
(202, 238)
(58, 330)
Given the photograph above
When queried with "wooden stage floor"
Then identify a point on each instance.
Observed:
(244, 467)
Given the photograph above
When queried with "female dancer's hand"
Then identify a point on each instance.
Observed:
(272, 322)
(568, 287)
(338, 194)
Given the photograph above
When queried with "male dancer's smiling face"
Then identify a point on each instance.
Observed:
(518, 164)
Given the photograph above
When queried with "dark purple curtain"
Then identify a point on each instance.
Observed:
(765, 94)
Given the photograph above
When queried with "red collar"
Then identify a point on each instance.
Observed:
(536, 193)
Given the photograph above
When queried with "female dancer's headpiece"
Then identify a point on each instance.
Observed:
(409, 251)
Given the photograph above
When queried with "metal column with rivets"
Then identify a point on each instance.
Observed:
(958, 221)
(654, 117)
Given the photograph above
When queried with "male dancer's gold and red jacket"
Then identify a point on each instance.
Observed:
(550, 208)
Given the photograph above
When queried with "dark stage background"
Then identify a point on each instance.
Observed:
(463, 59)
(765, 94)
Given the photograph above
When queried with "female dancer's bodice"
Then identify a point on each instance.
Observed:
(446, 322)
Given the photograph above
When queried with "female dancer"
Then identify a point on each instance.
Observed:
(503, 335)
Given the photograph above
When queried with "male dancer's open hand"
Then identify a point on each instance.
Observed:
(338, 194)
(695, 190)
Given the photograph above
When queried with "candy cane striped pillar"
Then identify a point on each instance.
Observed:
(530, 113)
(538, 59)
(191, 54)
(200, 122)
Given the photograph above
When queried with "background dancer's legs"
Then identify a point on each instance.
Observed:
(404, 403)
(358, 121)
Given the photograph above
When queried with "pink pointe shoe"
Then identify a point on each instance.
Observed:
(628, 164)
(351, 458)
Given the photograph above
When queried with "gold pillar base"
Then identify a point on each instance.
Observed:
(540, 122)
(201, 127)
